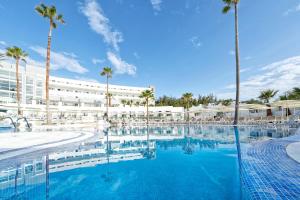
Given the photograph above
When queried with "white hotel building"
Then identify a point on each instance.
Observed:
(69, 98)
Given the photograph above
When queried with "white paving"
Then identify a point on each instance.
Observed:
(14, 144)
(293, 150)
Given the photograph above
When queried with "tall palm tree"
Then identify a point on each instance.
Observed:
(107, 72)
(228, 5)
(50, 13)
(17, 54)
(147, 95)
(187, 98)
(265, 96)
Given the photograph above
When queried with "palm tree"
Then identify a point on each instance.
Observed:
(17, 54)
(292, 95)
(147, 95)
(187, 98)
(124, 102)
(228, 5)
(50, 13)
(266, 95)
(107, 71)
(137, 103)
(226, 102)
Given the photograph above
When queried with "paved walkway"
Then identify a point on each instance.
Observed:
(293, 150)
(268, 172)
(15, 144)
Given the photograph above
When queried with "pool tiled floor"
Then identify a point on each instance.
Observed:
(268, 172)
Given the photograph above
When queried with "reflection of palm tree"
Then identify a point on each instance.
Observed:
(107, 177)
(50, 13)
(149, 153)
(16, 181)
(238, 148)
(47, 177)
(188, 147)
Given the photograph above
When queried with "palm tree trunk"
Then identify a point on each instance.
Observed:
(47, 73)
(107, 97)
(18, 87)
(237, 58)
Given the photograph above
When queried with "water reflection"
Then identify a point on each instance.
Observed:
(23, 180)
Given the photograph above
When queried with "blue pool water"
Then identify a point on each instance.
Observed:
(172, 163)
(6, 129)
(171, 175)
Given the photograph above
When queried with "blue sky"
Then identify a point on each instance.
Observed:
(175, 45)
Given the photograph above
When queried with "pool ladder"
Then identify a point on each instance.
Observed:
(15, 123)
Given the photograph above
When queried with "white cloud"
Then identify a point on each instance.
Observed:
(36, 63)
(156, 4)
(292, 10)
(73, 55)
(136, 55)
(282, 75)
(101, 24)
(248, 58)
(121, 66)
(196, 42)
(96, 61)
(242, 70)
(3, 43)
(61, 60)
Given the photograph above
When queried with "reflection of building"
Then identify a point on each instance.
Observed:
(34, 172)
(91, 157)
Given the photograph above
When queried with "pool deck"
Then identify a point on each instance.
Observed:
(293, 150)
(15, 144)
(269, 169)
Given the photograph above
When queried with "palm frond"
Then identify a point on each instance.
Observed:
(16, 53)
(51, 13)
(226, 9)
(54, 25)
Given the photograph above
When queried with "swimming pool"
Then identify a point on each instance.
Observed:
(168, 163)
